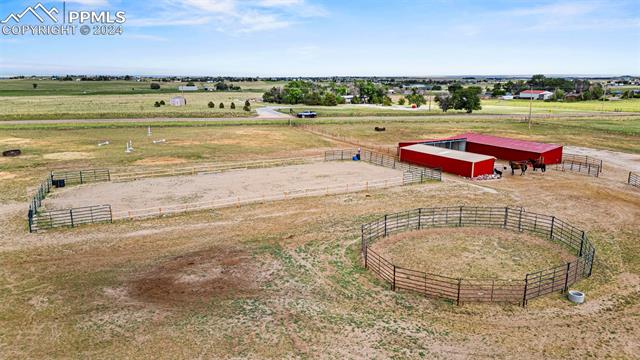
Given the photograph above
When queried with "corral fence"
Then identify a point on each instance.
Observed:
(581, 164)
(390, 150)
(633, 179)
(386, 161)
(38, 219)
(210, 168)
(462, 290)
(70, 217)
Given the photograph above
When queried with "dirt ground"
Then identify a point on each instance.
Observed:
(251, 183)
(284, 280)
(472, 252)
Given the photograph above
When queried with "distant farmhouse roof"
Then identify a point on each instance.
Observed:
(537, 92)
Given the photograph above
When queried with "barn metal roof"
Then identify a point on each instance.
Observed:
(448, 153)
(508, 143)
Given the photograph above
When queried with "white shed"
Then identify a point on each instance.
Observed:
(178, 101)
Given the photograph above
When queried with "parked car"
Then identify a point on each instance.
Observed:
(306, 114)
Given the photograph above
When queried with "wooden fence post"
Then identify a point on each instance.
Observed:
(460, 217)
(419, 217)
(520, 221)
(110, 214)
(506, 216)
(459, 286)
(71, 215)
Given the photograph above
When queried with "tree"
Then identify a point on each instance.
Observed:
(558, 94)
(454, 87)
(35, 86)
(233, 105)
(416, 98)
(467, 99)
(247, 106)
(402, 101)
(190, 83)
(162, 102)
(386, 101)
(444, 102)
(154, 86)
(329, 99)
(221, 106)
(597, 92)
(157, 104)
(436, 88)
(211, 105)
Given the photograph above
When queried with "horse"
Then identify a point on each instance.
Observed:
(522, 165)
(538, 164)
(377, 128)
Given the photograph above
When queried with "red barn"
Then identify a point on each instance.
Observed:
(499, 147)
(452, 161)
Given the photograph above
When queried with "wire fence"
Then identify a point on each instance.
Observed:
(385, 161)
(238, 201)
(462, 290)
(633, 179)
(210, 168)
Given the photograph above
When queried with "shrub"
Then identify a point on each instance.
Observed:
(154, 86)
(233, 105)
(402, 101)
(211, 104)
(157, 104)
(162, 102)
(221, 106)
(247, 106)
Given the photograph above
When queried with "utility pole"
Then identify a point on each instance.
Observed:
(530, 103)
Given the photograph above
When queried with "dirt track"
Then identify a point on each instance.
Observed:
(252, 183)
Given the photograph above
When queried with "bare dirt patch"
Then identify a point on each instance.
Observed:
(200, 276)
(252, 183)
(472, 252)
(69, 155)
(4, 175)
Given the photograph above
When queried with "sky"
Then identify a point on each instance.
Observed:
(327, 38)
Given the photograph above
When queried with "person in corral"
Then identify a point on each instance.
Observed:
(358, 154)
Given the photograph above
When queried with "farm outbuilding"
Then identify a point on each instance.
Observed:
(452, 161)
(499, 147)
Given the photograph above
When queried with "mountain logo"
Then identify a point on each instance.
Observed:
(50, 13)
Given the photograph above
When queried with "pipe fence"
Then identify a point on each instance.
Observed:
(580, 163)
(461, 290)
(73, 217)
(383, 160)
(633, 179)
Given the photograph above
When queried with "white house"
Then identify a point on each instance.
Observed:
(178, 101)
(188, 88)
(535, 94)
(506, 97)
(347, 98)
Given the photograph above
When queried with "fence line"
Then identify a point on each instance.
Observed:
(390, 150)
(385, 161)
(581, 164)
(461, 290)
(584, 159)
(35, 215)
(70, 217)
(633, 179)
(240, 201)
(211, 168)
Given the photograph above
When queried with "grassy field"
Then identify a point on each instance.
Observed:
(122, 106)
(626, 105)
(284, 279)
(24, 87)
(613, 132)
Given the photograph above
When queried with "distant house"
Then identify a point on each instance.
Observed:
(347, 98)
(209, 88)
(506, 97)
(188, 88)
(535, 94)
(178, 101)
(571, 97)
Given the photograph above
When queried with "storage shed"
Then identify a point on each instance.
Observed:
(499, 147)
(451, 161)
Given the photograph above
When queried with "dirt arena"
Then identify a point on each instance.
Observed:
(244, 184)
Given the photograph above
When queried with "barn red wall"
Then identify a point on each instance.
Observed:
(484, 167)
(550, 157)
(453, 166)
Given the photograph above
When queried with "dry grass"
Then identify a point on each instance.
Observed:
(284, 279)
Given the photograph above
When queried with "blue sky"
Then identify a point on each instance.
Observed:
(318, 38)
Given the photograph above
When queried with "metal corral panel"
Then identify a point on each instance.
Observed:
(452, 161)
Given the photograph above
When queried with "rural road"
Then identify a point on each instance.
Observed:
(270, 113)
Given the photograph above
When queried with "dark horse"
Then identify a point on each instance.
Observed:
(522, 165)
(538, 164)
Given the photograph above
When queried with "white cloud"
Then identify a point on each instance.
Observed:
(90, 2)
(231, 16)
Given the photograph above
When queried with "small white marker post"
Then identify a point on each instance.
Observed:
(149, 131)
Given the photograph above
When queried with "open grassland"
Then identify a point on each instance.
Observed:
(24, 87)
(284, 280)
(123, 106)
(625, 105)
